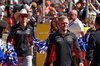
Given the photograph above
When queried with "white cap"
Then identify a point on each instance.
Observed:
(16, 1)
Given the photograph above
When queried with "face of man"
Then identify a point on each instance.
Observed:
(63, 24)
(23, 18)
(83, 4)
(71, 15)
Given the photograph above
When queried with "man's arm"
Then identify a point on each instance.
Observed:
(92, 7)
(32, 50)
(10, 36)
(31, 42)
(82, 33)
(78, 49)
(31, 46)
(88, 62)
(81, 28)
(90, 50)
(50, 43)
(97, 2)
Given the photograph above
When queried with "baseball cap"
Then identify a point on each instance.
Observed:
(48, 2)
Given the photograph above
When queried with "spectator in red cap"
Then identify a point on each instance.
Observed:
(48, 3)
(49, 7)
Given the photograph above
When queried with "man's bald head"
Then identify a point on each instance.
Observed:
(73, 15)
(74, 12)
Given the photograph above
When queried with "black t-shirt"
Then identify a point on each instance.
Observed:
(16, 8)
(8, 7)
(82, 14)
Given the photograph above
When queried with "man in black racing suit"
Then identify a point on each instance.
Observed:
(60, 46)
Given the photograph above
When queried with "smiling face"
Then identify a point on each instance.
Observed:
(63, 24)
(83, 4)
(54, 23)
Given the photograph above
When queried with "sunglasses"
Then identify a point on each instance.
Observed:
(84, 3)
(23, 16)
(70, 14)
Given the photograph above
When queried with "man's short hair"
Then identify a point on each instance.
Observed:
(23, 1)
(62, 17)
(98, 19)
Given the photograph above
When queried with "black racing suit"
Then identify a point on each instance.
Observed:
(93, 52)
(63, 49)
(22, 39)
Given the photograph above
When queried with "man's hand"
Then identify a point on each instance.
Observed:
(88, 62)
(89, 1)
(32, 51)
(8, 44)
(81, 64)
(32, 56)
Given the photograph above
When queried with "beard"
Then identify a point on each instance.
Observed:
(64, 29)
(70, 18)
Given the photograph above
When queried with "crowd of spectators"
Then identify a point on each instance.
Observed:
(52, 10)
(56, 9)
